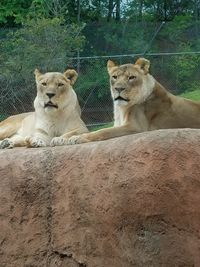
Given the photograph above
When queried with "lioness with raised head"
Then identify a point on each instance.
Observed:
(142, 104)
(56, 116)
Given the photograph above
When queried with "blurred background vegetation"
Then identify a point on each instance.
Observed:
(53, 35)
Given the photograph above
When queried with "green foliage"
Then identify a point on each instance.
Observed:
(93, 81)
(47, 38)
(43, 43)
(183, 68)
(159, 10)
(175, 30)
(13, 11)
(117, 39)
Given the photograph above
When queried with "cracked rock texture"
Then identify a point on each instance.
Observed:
(132, 201)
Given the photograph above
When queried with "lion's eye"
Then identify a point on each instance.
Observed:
(132, 77)
(44, 84)
(114, 77)
(60, 84)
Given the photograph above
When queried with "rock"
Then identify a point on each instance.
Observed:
(129, 201)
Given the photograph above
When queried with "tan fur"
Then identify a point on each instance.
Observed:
(144, 104)
(56, 116)
(9, 126)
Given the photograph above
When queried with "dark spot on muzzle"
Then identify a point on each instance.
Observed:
(50, 104)
(121, 98)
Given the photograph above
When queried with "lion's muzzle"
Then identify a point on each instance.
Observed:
(121, 98)
(50, 105)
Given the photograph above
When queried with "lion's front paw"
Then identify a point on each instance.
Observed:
(35, 142)
(6, 143)
(58, 141)
(77, 139)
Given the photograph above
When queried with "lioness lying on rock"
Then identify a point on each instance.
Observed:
(142, 104)
(56, 116)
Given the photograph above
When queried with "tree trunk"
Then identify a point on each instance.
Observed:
(141, 2)
(165, 10)
(110, 10)
(196, 10)
(78, 11)
(118, 10)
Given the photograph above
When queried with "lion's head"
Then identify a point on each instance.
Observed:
(130, 83)
(54, 89)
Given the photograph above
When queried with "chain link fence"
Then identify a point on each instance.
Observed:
(44, 47)
(178, 72)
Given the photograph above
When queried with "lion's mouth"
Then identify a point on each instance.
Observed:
(121, 98)
(50, 104)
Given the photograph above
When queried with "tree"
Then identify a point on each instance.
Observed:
(46, 44)
(13, 12)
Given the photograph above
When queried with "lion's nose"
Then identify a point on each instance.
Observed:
(119, 89)
(50, 95)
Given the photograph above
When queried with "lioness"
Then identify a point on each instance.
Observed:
(56, 116)
(142, 104)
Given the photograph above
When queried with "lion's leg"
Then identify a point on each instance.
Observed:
(15, 141)
(63, 139)
(7, 130)
(11, 125)
(102, 134)
(39, 139)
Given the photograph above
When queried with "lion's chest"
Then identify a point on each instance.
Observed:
(53, 126)
(120, 115)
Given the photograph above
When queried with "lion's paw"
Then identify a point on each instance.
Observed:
(35, 142)
(77, 139)
(6, 143)
(58, 141)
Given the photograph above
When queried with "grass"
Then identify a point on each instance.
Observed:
(193, 95)
(98, 127)
(3, 117)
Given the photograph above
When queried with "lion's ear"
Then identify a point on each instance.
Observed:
(144, 64)
(37, 74)
(71, 75)
(110, 65)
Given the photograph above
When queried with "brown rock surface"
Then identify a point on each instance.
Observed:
(130, 201)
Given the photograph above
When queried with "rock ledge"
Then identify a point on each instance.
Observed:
(129, 201)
